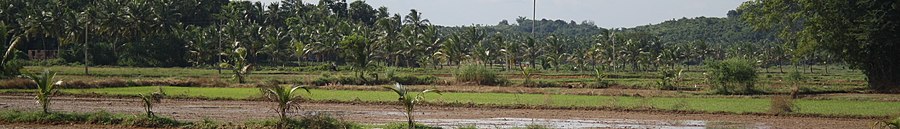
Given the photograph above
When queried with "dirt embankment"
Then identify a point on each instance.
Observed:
(238, 111)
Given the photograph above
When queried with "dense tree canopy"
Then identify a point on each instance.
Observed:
(864, 33)
(206, 33)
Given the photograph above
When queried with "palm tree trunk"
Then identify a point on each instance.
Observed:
(9, 50)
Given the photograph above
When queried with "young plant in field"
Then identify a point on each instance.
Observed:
(527, 73)
(795, 78)
(149, 100)
(409, 101)
(669, 79)
(46, 89)
(599, 79)
(284, 96)
(239, 64)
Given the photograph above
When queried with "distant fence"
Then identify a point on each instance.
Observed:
(42, 54)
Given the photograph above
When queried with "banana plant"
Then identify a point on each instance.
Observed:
(239, 64)
(151, 99)
(409, 100)
(598, 75)
(284, 96)
(46, 89)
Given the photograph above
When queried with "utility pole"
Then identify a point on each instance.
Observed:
(85, 51)
(534, 17)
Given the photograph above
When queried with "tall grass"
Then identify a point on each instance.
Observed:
(479, 75)
(101, 117)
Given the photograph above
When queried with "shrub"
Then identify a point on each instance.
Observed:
(10, 69)
(732, 76)
(669, 79)
(781, 105)
(479, 75)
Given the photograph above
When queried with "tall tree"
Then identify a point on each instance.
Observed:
(861, 32)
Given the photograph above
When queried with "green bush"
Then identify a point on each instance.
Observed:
(11, 69)
(732, 76)
(669, 79)
(479, 75)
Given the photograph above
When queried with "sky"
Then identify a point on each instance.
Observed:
(604, 13)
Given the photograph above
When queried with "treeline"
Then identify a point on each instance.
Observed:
(220, 33)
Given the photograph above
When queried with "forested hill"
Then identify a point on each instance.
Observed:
(727, 30)
(544, 27)
(707, 29)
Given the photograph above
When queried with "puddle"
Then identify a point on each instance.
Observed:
(583, 123)
(342, 112)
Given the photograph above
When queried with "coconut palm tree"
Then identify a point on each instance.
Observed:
(359, 50)
(45, 88)
(285, 97)
(409, 101)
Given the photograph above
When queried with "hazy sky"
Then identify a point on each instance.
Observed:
(604, 13)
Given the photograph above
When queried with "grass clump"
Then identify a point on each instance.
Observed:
(479, 75)
(732, 76)
(102, 117)
(781, 105)
(308, 122)
(10, 69)
(891, 124)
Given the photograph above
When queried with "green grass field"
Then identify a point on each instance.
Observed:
(710, 104)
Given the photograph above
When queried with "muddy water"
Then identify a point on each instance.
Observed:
(585, 123)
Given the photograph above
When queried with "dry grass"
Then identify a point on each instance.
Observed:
(17, 83)
(781, 105)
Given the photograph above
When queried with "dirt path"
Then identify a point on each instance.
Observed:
(236, 111)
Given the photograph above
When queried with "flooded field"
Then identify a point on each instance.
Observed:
(586, 123)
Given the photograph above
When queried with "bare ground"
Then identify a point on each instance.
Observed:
(239, 111)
